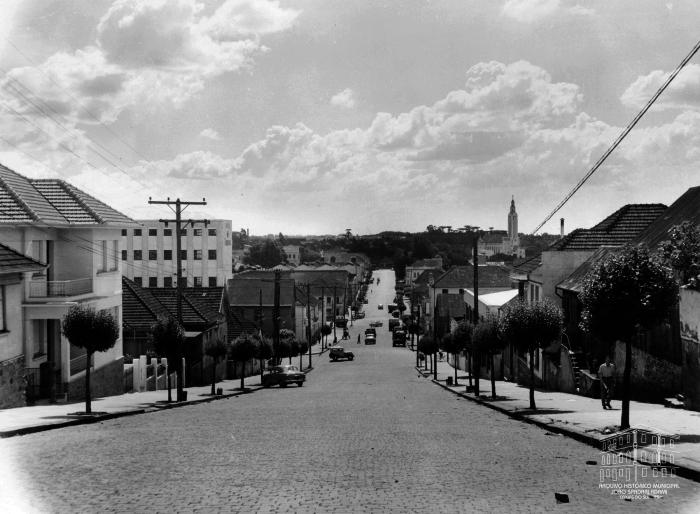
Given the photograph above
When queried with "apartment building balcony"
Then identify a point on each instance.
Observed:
(60, 288)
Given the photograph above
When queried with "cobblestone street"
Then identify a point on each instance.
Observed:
(370, 435)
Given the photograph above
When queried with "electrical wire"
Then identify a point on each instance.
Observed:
(622, 136)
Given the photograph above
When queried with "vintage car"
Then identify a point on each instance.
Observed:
(380, 306)
(398, 338)
(338, 352)
(283, 375)
(370, 339)
(371, 331)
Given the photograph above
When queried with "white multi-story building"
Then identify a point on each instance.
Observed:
(75, 238)
(293, 253)
(148, 254)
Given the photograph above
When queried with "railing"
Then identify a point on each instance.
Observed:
(50, 288)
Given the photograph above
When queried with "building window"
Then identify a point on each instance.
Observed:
(198, 255)
(103, 255)
(212, 255)
(212, 281)
(212, 231)
(123, 255)
(152, 255)
(444, 291)
(123, 232)
(167, 232)
(167, 281)
(39, 331)
(198, 232)
(152, 231)
(3, 313)
(152, 281)
(197, 281)
(137, 255)
(138, 281)
(183, 231)
(137, 231)
(183, 255)
(167, 255)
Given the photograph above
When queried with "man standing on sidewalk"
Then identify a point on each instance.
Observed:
(606, 373)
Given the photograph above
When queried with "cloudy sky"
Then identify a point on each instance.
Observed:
(313, 116)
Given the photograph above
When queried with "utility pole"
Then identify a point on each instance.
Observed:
(180, 205)
(323, 317)
(335, 307)
(476, 274)
(308, 319)
(417, 334)
(276, 317)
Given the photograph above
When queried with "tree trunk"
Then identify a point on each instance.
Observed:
(477, 368)
(213, 378)
(261, 368)
(625, 418)
(454, 356)
(167, 380)
(301, 364)
(470, 368)
(493, 380)
(88, 408)
(435, 356)
(532, 380)
(242, 375)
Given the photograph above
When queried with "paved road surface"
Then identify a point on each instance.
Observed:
(364, 436)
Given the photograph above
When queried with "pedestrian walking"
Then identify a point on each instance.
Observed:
(358, 338)
(606, 373)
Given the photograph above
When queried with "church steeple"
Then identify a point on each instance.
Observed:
(512, 221)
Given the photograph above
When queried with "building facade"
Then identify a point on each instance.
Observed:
(148, 254)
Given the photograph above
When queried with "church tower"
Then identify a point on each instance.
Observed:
(513, 224)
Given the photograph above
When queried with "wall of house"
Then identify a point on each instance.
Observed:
(12, 383)
(690, 338)
(70, 261)
(652, 379)
(555, 267)
(107, 380)
(11, 341)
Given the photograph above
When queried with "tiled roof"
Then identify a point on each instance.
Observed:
(142, 306)
(574, 282)
(427, 276)
(246, 291)
(685, 208)
(11, 261)
(619, 228)
(238, 325)
(463, 277)
(450, 305)
(528, 265)
(427, 263)
(52, 201)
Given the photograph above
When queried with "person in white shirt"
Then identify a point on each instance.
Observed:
(606, 373)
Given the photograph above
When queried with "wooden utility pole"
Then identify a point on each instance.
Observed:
(335, 313)
(276, 317)
(476, 276)
(179, 206)
(308, 319)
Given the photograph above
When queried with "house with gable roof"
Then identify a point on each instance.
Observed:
(77, 238)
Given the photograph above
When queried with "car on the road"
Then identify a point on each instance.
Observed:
(371, 331)
(338, 352)
(283, 375)
(398, 338)
(380, 306)
(370, 339)
(393, 323)
(359, 315)
(341, 322)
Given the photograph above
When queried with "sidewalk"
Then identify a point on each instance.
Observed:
(583, 418)
(38, 418)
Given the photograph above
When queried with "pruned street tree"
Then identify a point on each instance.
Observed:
(303, 347)
(216, 350)
(453, 346)
(531, 326)
(288, 345)
(167, 335)
(486, 340)
(627, 290)
(428, 347)
(241, 351)
(462, 335)
(95, 331)
(263, 350)
(326, 330)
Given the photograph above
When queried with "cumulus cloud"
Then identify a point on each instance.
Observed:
(344, 99)
(529, 11)
(210, 134)
(682, 93)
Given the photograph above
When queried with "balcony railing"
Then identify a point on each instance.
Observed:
(50, 288)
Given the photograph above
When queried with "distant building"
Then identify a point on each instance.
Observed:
(292, 252)
(500, 241)
(148, 254)
(417, 268)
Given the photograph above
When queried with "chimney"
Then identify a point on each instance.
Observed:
(561, 226)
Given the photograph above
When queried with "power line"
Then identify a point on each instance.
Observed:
(622, 136)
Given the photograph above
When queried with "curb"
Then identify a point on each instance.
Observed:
(121, 414)
(681, 471)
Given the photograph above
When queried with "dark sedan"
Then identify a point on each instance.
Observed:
(283, 375)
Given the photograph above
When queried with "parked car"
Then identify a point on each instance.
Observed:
(338, 353)
(370, 331)
(376, 324)
(396, 314)
(370, 339)
(398, 338)
(393, 323)
(380, 306)
(359, 315)
(341, 322)
(283, 375)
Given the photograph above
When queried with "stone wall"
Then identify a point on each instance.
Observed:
(652, 379)
(105, 381)
(12, 384)
(690, 340)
